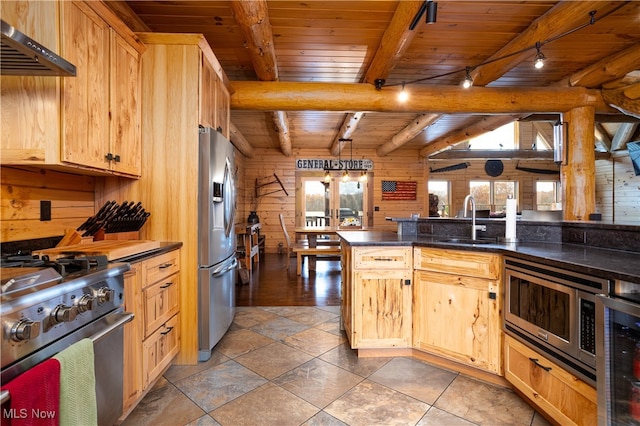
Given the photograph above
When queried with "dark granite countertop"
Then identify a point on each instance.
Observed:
(165, 246)
(606, 263)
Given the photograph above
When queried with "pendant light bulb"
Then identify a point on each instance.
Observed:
(327, 176)
(468, 81)
(403, 95)
(538, 63)
(345, 176)
(363, 177)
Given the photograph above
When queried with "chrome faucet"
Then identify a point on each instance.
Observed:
(474, 228)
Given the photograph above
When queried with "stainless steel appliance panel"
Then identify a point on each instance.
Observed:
(216, 198)
(217, 304)
(217, 240)
(618, 360)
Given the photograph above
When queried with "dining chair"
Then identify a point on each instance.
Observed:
(288, 241)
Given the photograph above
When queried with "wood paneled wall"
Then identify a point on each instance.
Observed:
(618, 189)
(460, 179)
(71, 196)
(403, 167)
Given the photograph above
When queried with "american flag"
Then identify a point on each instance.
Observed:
(399, 190)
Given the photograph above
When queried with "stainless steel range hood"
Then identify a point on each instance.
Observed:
(21, 55)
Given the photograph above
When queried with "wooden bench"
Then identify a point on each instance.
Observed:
(314, 251)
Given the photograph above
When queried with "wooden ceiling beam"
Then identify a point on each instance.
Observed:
(409, 132)
(625, 99)
(607, 69)
(622, 136)
(395, 42)
(302, 96)
(563, 17)
(603, 139)
(281, 122)
(349, 126)
(484, 125)
(253, 18)
(240, 142)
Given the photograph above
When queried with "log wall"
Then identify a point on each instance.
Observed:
(71, 196)
(618, 190)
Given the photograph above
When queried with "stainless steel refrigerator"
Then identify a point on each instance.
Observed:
(216, 239)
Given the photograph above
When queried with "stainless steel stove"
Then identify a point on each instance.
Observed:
(45, 306)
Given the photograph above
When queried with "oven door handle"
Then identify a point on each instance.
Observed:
(124, 317)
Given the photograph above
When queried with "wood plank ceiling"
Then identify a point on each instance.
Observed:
(335, 42)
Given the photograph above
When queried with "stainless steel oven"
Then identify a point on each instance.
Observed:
(618, 358)
(554, 311)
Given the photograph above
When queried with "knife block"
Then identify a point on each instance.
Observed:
(119, 236)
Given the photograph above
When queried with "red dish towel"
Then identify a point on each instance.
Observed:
(35, 396)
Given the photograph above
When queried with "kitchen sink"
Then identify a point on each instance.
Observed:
(468, 240)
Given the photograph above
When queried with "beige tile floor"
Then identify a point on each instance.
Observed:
(292, 366)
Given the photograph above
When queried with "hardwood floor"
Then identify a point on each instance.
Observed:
(272, 285)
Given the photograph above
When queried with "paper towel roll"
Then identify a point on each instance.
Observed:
(510, 224)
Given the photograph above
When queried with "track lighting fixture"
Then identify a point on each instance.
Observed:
(432, 11)
(431, 8)
(468, 81)
(540, 58)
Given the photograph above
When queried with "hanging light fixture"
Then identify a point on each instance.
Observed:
(403, 95)
(468, 81)
(538, 63)
(346, 167)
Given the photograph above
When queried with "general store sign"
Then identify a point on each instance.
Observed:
(325, 164)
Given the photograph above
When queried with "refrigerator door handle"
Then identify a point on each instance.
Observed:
(224, 269)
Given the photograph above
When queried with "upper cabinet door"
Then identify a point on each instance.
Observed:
(85, 98)
(207, 94)
(125, 146)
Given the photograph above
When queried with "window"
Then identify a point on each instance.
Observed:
(501, 138)
(492, 195)
(548, 195)
(439, 189)
(333, 203)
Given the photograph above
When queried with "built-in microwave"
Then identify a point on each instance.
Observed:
(553, 310)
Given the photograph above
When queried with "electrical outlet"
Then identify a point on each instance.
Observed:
(376, 208)
(45, 210)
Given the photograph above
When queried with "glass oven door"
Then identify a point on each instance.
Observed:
(618, 361)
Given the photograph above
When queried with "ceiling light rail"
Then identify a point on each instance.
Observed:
(468, 80)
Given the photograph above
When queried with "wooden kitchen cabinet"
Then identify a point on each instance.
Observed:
(172, 67)
(457, 303)
(90, 123)
(556, 392)
(214, 96)
(152, 338)
(377, 303)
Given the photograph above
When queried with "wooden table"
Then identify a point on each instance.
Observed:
(250, 234)
(312, 233)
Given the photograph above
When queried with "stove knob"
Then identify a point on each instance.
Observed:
(64, 313)
(85, 303)
(105, 294)
(25, 329)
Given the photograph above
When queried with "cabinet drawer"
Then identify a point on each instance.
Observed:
(160, 267)
(162, 301)
(159, 349)
(458, 262)
(556, 392)
(382, 258)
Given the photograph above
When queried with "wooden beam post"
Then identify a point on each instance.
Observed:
(578, 172)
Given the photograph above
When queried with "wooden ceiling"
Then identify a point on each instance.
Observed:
(332, 43)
